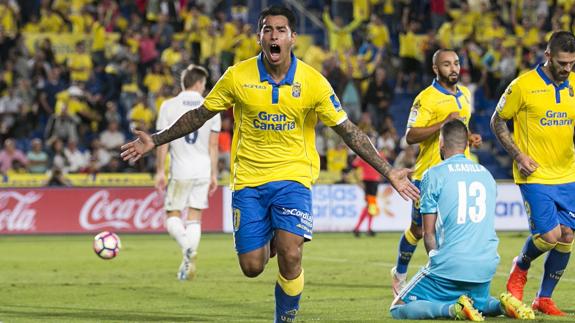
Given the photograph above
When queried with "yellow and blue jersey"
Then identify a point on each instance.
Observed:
(274, 133)
(431, 106)
(543, 116)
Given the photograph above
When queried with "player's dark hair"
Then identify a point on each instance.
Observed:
(277, 11)
(561, 41)
(455, 134)
(193, 74)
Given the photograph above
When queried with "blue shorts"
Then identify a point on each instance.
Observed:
(259, 211)
(547, 206)
(425, 286)
(416, 217)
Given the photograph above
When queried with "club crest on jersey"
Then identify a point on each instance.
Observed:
(237, 215)
(296, 90)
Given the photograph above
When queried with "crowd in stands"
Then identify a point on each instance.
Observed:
(72, 110)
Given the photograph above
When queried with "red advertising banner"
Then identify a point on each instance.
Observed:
(81, 210)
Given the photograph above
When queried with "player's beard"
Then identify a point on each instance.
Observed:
(451, 79)
(557, 75)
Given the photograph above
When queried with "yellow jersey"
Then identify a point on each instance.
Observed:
(543, 116)
(274, 133)
(80, 65)
(431, 106)
(379, 34)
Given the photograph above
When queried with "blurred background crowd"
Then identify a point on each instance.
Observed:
(76, 75)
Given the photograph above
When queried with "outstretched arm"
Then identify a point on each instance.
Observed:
(360, 143)
(187, 123)
(525, 164)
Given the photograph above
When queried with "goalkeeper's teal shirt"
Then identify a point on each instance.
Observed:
(462, 194)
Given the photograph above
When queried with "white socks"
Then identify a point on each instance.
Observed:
(193, 233)
(176, 229)
(188, 237)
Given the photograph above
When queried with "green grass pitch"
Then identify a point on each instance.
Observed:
(60, 279)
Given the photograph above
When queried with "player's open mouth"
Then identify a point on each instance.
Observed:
(275, 51)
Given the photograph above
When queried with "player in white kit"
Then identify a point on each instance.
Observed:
(193, 168)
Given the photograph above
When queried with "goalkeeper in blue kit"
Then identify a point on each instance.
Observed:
(458, 208)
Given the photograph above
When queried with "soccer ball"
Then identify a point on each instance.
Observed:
(107, 245)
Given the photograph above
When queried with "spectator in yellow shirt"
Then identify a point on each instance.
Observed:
(339, 36)
(98, 42)
(156, 78)
(141, 115)
(50, 21)
(80, 22)
(495, 30)
(378, 33)
(8, 19)
(361, 9)
(337, 158)
(32, 26)
(316, 56)
(196, 25)
(247, 45)
(172, 55)
(80, 64)
(411, 54)
(527, 33)
(211, 45)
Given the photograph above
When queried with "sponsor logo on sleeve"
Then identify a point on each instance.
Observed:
(335, 102)
(414, 111)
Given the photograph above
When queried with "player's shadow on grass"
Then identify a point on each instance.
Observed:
(59, 314)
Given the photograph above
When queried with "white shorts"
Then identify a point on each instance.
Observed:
(191, 193)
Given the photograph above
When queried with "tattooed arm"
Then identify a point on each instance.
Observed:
(187, 123)
(525, 164)
(360, 143)
(501, 131)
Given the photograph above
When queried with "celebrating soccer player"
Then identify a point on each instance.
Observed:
(188, 187)
(542, 105)
(277, 100)
(442, 101)
(458, 209)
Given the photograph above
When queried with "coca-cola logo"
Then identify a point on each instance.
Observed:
(15, 211)
(100, 211)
